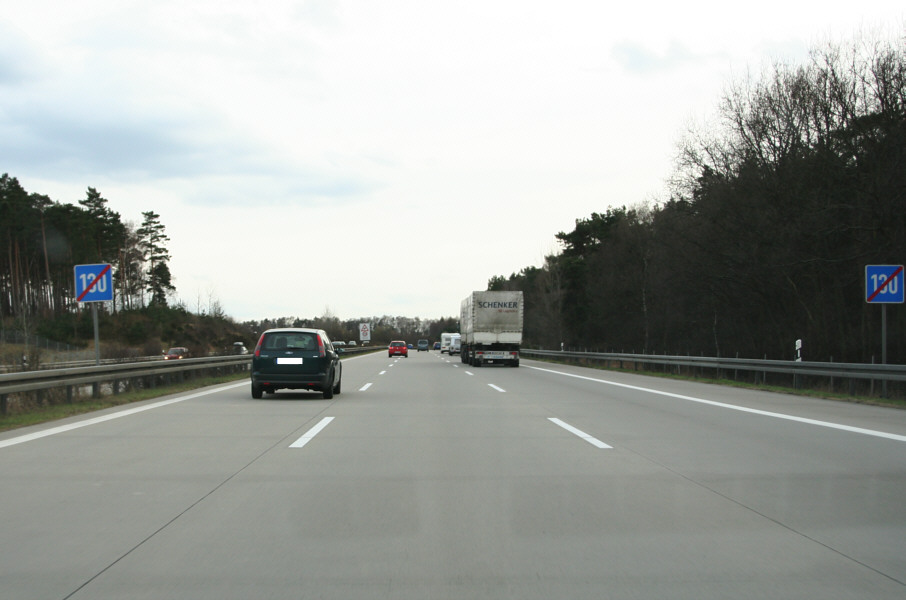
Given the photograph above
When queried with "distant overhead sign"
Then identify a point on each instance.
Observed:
(884, 284)
(93, 283)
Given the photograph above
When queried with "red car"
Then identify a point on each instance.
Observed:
(398, 348)
(176, 353)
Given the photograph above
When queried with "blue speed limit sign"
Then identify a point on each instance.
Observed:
(884, 284)
(93, 283)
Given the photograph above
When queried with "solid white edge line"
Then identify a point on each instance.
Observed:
(754, 411)
(124, 413)
(365, 387)
(311, 433)
(590, 439)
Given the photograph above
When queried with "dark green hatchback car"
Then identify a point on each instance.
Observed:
(296, 359)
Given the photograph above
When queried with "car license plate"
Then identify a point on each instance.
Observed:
(289, 361)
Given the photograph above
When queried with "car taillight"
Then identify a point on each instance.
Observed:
(321, 350)
(258, 346)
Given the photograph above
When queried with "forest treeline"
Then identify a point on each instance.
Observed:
(774, 212)
(42, 239)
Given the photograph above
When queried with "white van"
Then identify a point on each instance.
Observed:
(455, 344)
(445, 339)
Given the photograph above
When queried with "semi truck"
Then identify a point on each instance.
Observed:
(490, 326)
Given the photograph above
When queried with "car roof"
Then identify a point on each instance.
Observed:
(294, 330)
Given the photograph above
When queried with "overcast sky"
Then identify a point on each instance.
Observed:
(375, 157)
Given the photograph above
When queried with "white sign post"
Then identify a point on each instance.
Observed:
(364, 332)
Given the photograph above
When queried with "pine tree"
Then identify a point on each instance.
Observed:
(152, 239)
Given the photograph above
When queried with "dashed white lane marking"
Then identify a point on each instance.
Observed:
(591, 440)
(311, 433)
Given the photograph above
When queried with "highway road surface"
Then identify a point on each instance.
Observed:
(426, 478)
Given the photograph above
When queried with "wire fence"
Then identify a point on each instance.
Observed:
(14, 336)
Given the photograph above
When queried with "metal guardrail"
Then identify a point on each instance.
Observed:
(73, 375)
(95, 376)
(797, 369)
(66, 364)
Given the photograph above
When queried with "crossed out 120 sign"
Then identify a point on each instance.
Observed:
(884, 284)
(93, 283)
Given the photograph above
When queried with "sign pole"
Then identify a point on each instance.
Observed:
(884, 284)
(93, 284)
(97, 337)
(884, 346)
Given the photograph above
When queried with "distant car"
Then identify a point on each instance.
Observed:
(437, 345)
(297, 359)
(239, 348)
(352, 342)
(176, 352)
(398, 348)
(423, 345)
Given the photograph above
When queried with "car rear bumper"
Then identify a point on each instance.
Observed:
(314, 381)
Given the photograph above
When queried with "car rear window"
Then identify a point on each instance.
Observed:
(397, 344)
(290, 341)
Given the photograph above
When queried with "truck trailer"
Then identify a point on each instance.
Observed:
(490, 327)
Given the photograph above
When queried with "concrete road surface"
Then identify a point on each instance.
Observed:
(426, 478)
